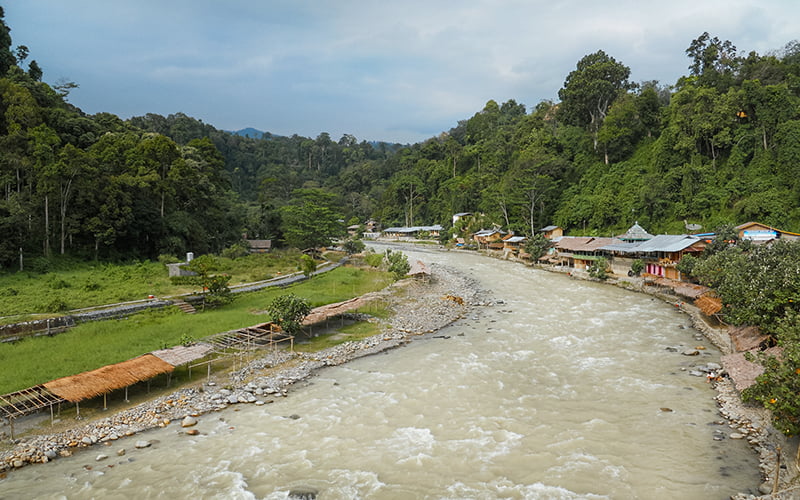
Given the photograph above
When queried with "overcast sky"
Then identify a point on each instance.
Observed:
(400, 71)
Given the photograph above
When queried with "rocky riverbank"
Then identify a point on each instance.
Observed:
(747, 421)
(419, 307)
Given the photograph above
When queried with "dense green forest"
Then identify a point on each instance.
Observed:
(721, 145)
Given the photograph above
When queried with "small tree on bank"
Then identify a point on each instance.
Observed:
(398, 264)
(288, 312)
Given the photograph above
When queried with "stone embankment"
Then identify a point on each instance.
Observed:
(419, 308)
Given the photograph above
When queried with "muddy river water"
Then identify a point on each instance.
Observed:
(562, 389)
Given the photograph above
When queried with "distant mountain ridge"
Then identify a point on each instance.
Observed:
(249, 132)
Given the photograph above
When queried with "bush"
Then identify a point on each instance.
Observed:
(374, 259)
(599, 269)
(637, 266)
(288, 311)
(308, 265)
(354, 246)
(686, 264)
(37, 265)
(56, 305)
(56, 283)
(183, 280)
(91, 286)
(236, 250)
(166, 258)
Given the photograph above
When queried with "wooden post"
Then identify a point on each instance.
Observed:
(78, 411)
(126, 394)
(11, 424)
(52, 419)
(777, 472)
(209, 370)
(105, 401)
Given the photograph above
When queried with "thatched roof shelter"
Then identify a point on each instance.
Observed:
(708, 305)
(182, 354)
(87, 385)
(419, 270)
(320, 314)
(20, 403)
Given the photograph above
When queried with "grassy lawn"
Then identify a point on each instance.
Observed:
(92, 345)
(354, 331)
(69, 284)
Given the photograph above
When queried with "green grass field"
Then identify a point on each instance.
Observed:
(70, 284)
(92, 345)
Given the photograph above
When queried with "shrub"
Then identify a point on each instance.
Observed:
(91, 286)
(56, 305)
(354, 246)
(166, 258)
(288, 311)
(374, 259)
(398, 264)
(236, 250)
(308, 265)
(38, 265)
(637, 266)
(599, 269)
(56, 283)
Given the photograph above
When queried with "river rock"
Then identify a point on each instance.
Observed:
(188, 421)
(87, 440)
(142, 444)
(247, 398)
(100, 457)
(303, 494)
(691, 352)
(50, 454)
(121, 452)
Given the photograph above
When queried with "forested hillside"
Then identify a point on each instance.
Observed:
(721, 144)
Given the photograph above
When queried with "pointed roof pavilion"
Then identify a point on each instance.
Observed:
(636, 233)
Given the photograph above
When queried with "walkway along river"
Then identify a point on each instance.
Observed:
(562, 389)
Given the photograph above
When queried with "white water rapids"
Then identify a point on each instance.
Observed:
(555, 393)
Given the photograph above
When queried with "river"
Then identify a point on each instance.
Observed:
(562, 389)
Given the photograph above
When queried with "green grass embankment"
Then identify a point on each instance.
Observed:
(92, 345)
(67, 284)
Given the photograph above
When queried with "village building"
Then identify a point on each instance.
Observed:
(486, 237)
(762, 233)
(552, 232)
(461, 215)
(513, 244)
(580, 252)
(413, 232)
(259, 246)
(660, 254)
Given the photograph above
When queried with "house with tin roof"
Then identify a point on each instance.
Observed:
(580, 252)
(660, 254)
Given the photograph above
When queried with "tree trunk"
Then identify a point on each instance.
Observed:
(46, 227)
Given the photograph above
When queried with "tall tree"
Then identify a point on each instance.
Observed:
(591, 88)
(312, 220)
(7, 58)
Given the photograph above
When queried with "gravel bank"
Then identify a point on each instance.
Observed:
(420, 307)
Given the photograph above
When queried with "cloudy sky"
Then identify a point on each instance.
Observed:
(398, 71)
